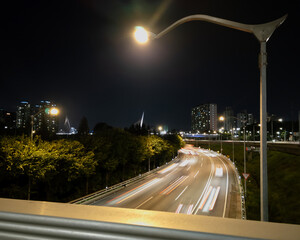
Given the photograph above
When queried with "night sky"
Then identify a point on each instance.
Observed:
(81, 55)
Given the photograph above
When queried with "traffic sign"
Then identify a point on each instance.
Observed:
(246, 175)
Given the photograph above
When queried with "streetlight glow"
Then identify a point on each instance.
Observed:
(141, 35)
(221, 118)
(54, 111)
(262, 32)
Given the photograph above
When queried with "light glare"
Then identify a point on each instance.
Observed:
(54, 111)
(141, 35)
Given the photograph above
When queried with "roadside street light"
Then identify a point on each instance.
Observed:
(52, 111)
(221, 118)
(262, 32)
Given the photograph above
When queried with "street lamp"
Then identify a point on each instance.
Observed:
(262, 32)
(221, 118)
(52, 111)
(141, 35)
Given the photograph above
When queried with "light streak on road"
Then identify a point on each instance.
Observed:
(174, 185)
(133, 192)
(212, 205)
(207, 194)
(226, 194)
(190, 210)
(184, 163)
(206, 186)
(179, 208)
(167, 169)
(181, 193)
(209, 200)
(144, 202)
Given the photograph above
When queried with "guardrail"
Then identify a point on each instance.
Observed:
(22, 219)
(90, 198)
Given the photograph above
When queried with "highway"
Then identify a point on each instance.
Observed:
(198, 182)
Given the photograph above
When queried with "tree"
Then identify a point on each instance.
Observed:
(83, 128)
(26, 157)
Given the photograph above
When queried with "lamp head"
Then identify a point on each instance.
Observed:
(54, 111)
(141, 35)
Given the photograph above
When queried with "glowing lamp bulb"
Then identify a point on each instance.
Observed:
(54, 111)
(141, 35)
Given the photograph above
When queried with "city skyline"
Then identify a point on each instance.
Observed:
(18, 118)
(86, 60)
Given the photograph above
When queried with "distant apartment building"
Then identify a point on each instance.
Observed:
(23, 114)
(244, 118)
(40, 115)
(229, 119)
(204, 118)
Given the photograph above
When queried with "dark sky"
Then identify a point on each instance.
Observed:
(81, 55)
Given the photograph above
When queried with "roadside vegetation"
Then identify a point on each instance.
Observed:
(283, 182)
(67, 168)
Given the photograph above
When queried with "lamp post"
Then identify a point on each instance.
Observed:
(262, 32)
(53, 111)
(221, 118)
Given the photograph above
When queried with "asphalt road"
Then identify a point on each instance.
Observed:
(199, 182)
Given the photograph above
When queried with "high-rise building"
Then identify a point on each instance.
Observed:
(250, 119)
(242, 119)
(229, 120)
(204, 118)
(23, 115)
(42, 116)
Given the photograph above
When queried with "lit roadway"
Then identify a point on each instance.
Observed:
(199, 182)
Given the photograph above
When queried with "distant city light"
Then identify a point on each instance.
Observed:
(54, 111)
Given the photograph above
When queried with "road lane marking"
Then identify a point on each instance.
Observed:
(213, 202)
(181, 192)
(144, 202)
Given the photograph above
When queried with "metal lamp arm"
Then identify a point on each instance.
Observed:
(261, 31)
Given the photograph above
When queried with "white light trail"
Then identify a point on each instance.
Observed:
(179, 208)
(212, 205)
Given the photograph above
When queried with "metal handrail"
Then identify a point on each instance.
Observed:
(22, 219)
(87, 199)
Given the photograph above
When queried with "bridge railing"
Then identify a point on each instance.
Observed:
(90, 198)
(21, 219)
